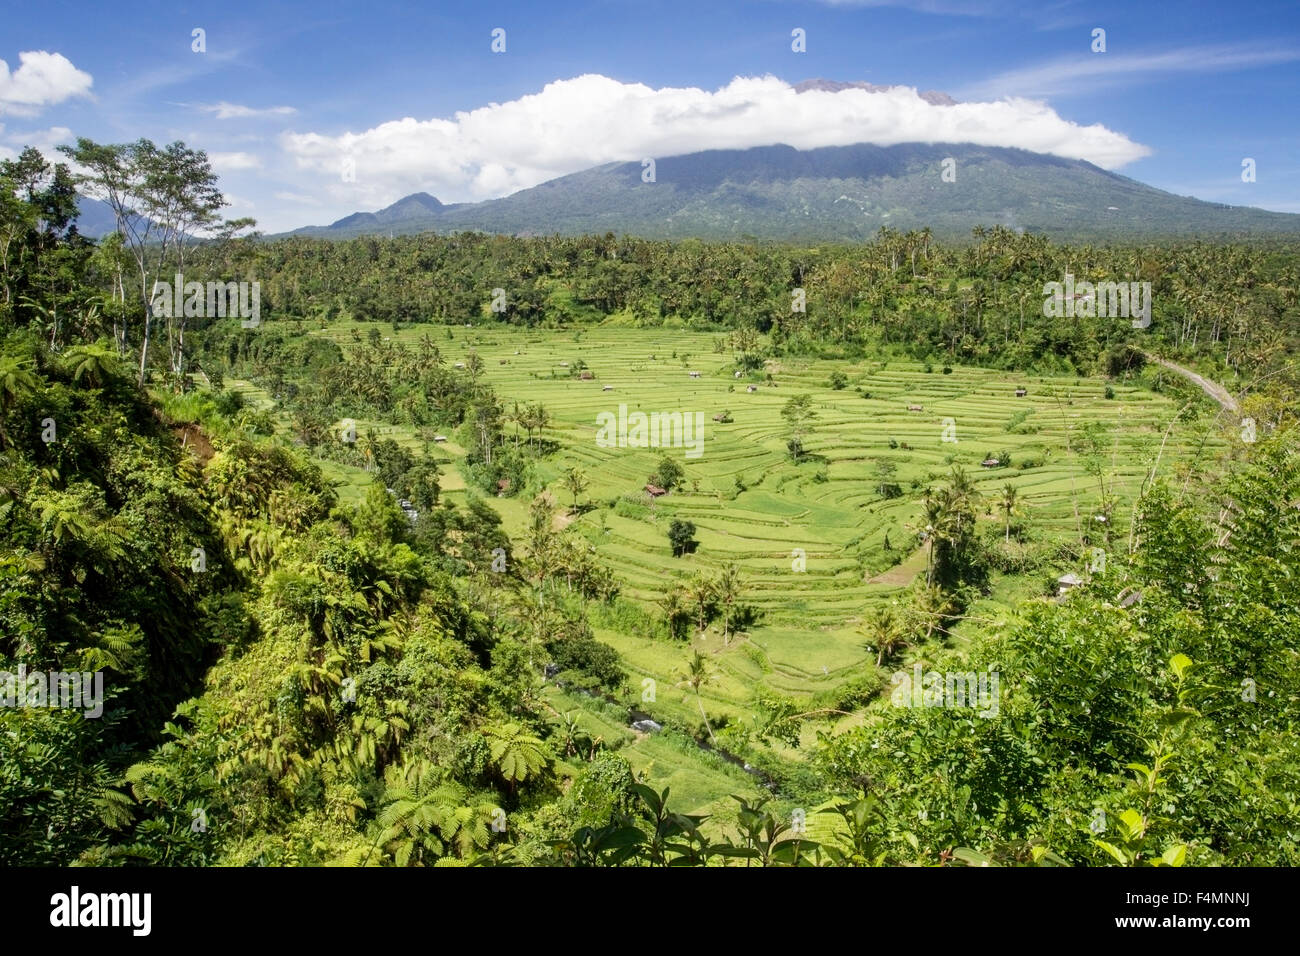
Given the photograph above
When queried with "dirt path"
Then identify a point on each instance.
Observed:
(901, 575)
(1212, 389)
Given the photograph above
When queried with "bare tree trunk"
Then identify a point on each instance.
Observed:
(148, 315)
(707, 725)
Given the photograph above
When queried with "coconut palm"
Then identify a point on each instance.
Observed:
(884, 633)
(676, 610)
(727, 590)
(696, 675)
(1010, 505)
(930, 607)
(933, 521)
(700, 591)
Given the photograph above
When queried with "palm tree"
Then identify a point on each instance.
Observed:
(962, 492)
(369, 444)
(541, 538)
(516, 416)
(884, 633)
(571, 731)
(931, 606)
(951, 518)
(1010, 505)
(538, 419)
(727, 588)
(576, 481)
(676, 611)
(696, 675)
(933, 520)
(701, 593)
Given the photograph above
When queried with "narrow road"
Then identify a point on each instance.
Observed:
(1212, 389)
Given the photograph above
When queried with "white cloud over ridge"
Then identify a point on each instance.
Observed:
(576, 123)
(46, 142)
(42, 79)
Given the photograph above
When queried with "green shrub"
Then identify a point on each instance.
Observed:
(631, 506)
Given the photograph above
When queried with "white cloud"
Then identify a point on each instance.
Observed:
(228, 162)
(588, 120)
(45, 140)
(224, 110)
(1093, 71)
(42, 79)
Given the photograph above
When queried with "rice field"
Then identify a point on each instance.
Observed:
(816, 543)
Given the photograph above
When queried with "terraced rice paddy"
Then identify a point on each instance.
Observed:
(810, 538)
(827, 506)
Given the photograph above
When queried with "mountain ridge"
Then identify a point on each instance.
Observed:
(847, 193)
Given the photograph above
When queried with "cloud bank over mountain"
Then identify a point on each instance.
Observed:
(575, 123)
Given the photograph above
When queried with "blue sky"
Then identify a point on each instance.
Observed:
(311, 111)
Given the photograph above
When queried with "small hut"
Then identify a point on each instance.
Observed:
(587, 376)
(915, 408)
(694, 374)
(990, 462)
(1021, 393)
(654, 491)
(608, 388)
(1066, 583)
(439, 438)
(751, 389)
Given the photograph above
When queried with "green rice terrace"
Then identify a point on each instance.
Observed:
(817, 543)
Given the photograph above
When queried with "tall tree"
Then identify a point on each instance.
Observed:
(161, 198)
(576, 481)
(798, 413)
